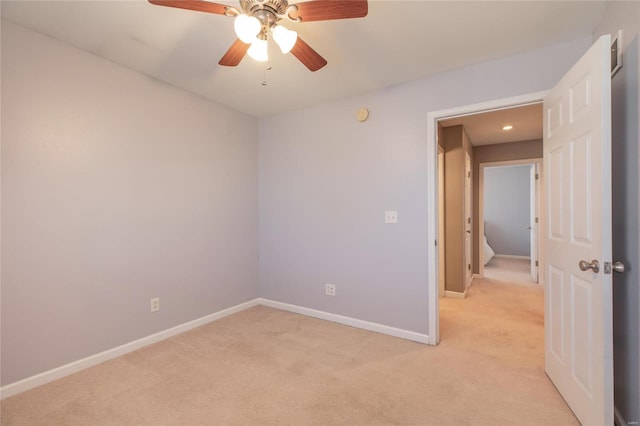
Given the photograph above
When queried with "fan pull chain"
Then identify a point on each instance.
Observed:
(266, 68)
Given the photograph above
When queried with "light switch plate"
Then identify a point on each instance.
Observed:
(391, 216)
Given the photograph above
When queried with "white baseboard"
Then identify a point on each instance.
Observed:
(455, 294)
(458, 295)
(461, 295)
(473, 277)
(73, 367)
(353, 322)
(511, 256)
(618, 419)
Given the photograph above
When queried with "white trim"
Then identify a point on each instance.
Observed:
(432, 191)
(512, 256)
(619, 420)
(353, 322)
(82, 364)
(463, 295)
(433, 305)
(455, 294)
(481, 167)
(73, 367)
(467, 215)
(441, 224)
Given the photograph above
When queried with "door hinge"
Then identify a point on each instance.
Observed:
(436, 243)
(469, 175)
(537, 220)
(537, 176)
(536, 263)
(468, 220)
(469, 267)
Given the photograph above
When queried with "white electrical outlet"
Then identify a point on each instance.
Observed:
(391, 216)
(155, 304)
(330, 289)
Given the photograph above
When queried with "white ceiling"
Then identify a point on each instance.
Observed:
(486, 128)
(398, 41)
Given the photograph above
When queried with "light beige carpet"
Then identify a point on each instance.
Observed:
(516, 271)
(269, 367)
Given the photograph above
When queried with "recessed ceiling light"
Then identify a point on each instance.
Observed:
(507, 127)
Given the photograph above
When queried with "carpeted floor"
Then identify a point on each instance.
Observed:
(516, 271)
(264, 366)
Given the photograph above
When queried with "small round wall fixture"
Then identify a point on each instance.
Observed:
(362, 114)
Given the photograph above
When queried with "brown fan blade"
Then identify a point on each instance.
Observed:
(324, 10)
(235, 54)
(199, 5)
(309, 57)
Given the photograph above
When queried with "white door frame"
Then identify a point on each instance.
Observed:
(432, 191)
(535, 198)
(441, 224)
(468, 224)
(482, 166)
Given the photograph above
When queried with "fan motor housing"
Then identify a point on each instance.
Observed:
(275, 7)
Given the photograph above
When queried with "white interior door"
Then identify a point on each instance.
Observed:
(467, 220)
(534, 194)
(578, 305)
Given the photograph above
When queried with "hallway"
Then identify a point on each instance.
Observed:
(509, 270)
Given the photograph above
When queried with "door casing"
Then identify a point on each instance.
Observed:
(432, 191)
(467, 226)
(536, 161)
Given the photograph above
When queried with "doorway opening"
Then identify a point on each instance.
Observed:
(509, 220)
(578, 337)
(434, 124)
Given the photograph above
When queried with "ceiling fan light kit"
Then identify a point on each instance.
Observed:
(258, 20)
(259, 50)
(284, 37)
(247, 28)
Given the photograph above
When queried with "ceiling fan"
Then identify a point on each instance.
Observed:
(259, 20)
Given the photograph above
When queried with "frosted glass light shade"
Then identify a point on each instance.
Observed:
(247, 28)
(258, 50)
(284, 37)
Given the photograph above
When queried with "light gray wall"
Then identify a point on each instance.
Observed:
(626, 183)
(489, 153)
(507, 206)
(115, 188)
(326, 180)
